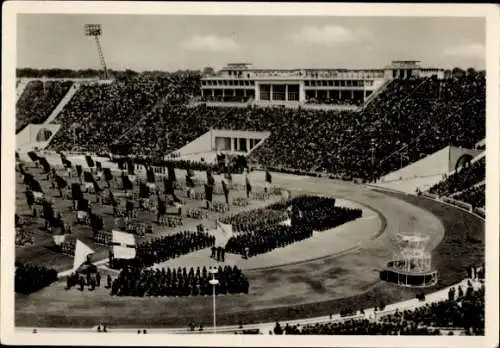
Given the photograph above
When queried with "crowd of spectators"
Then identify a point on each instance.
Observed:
(476, 196)
(181, 282)
(31, 278)
(407, 120)
(461, 180)
(464, 312)
(38, 100)
(98, 114)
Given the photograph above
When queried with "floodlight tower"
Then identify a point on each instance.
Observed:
(95, 31)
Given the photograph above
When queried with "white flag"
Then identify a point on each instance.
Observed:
(285, 194)
(222, 234)
(287, 222)
(123, 245)
(81, 252)
(59, 239)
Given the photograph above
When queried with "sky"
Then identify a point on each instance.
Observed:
(172, 42)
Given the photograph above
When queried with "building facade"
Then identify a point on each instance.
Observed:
(239, 82)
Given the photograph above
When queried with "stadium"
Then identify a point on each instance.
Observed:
(251, 201)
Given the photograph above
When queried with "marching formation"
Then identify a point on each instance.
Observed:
(180, 282)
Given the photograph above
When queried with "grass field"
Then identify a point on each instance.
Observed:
(298, 290)
(42, 253)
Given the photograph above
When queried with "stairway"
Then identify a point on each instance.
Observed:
(374, 95)
(65, 100)
(21, 87)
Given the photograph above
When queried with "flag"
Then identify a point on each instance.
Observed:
(226, 191)
(96, 222)
(123, 245)
(162, 207)
(108, 176)
(59, 239)
(35, 186)
(169, 186)
(189, 181)
(21, 168)
(111, 198)
(90, 161)
(33, 156)
(127, 184)
(61, 183)
(222, 234)
(48, 212)
(87, 177)
(285, 194)
(248, 186)
(210, 178)
(143, 191)
(129, 206)
(82, 205)
(30, 198)
(287, 222)
(121, 164)
(171, 172)
(82, 209)
(78, 170)
(228, 175)
(130, 166)
(209, 192)
(97, 189)
(45, 165)
(76, 192)
(67, 164)
(82, 253)
(28, 179)
(177, 201)
(269, 178)
(150, 175)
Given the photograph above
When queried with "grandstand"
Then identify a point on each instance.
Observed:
(275, 193)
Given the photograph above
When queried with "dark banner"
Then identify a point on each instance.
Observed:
(209, 192)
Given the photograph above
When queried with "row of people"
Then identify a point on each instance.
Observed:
(24, 237)
(266, 240)
(164, 248)
(269, 237)
(31, 278)
(255, 219)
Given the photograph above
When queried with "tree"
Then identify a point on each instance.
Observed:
(458, 73)
(208, 71)
(471, 73)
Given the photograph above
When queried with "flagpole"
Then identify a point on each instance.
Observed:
(214, 283)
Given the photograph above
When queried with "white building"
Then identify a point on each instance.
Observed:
(239, 82)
